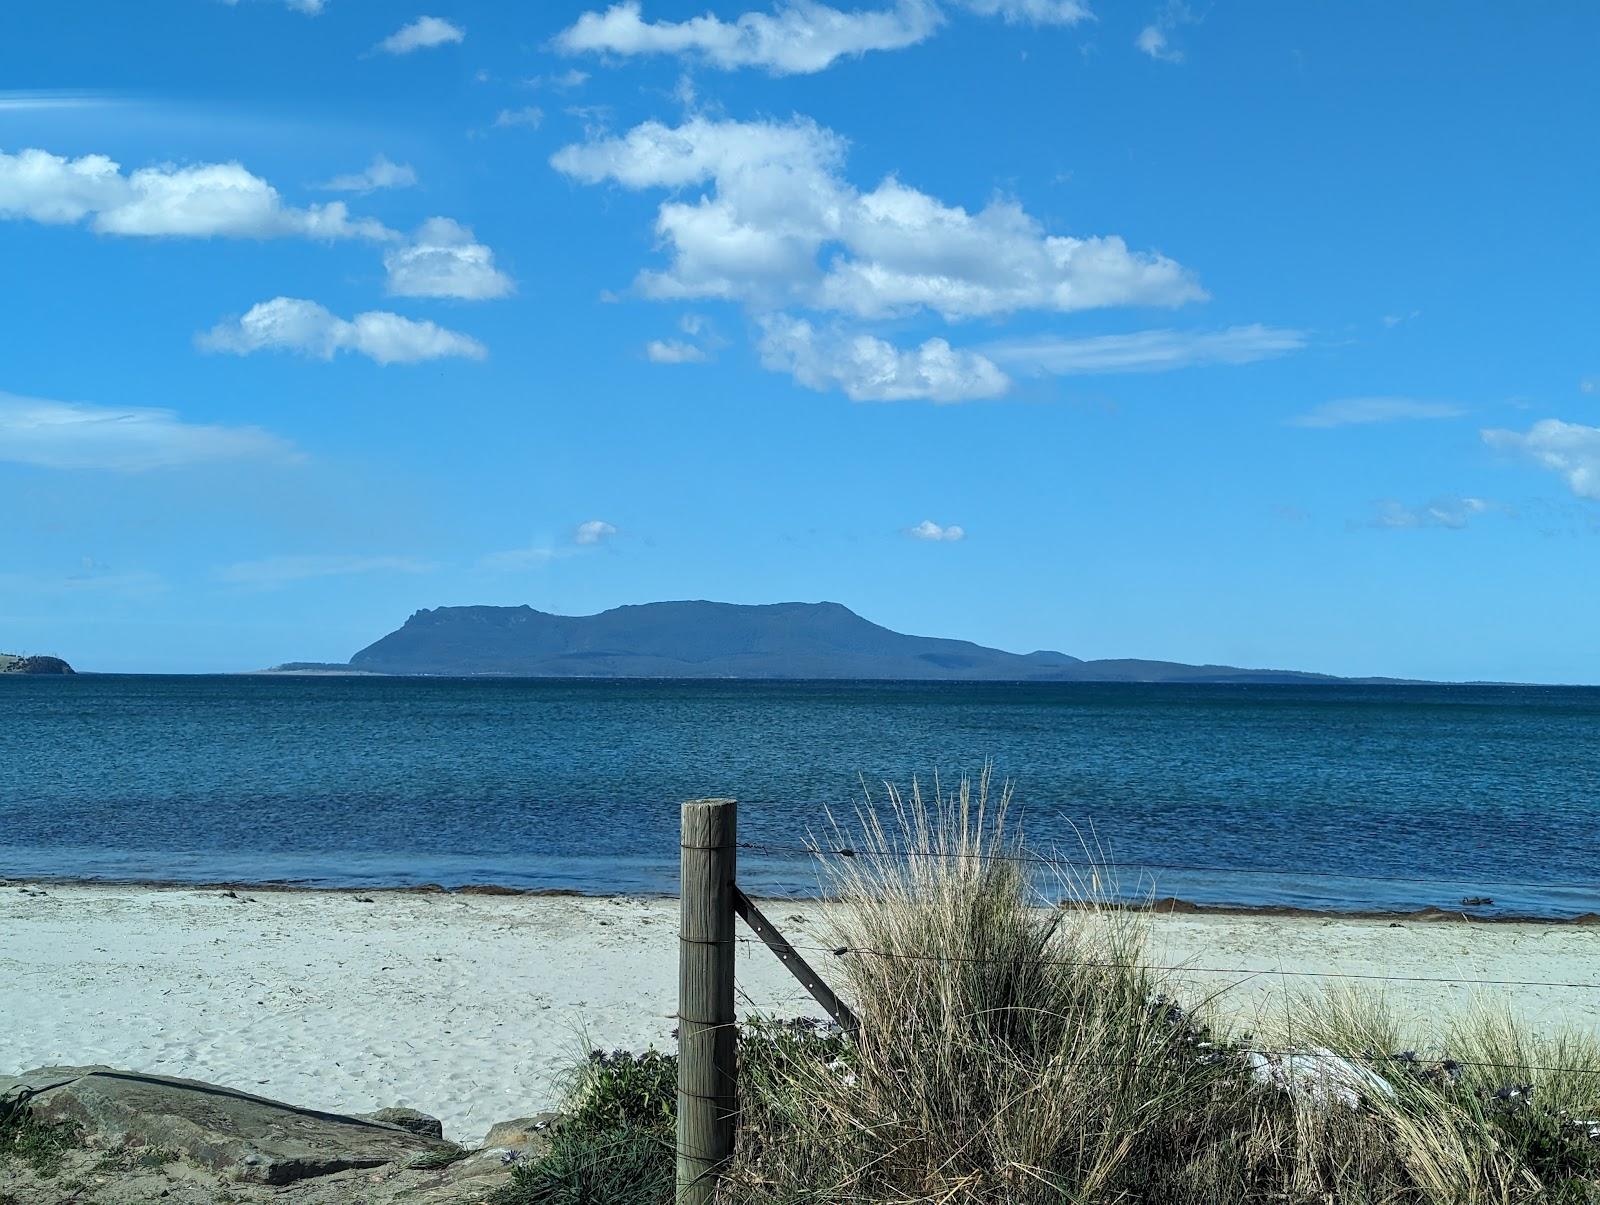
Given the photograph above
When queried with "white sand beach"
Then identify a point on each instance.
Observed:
(470, 1007)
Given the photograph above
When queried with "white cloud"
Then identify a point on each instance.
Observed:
(203, 201)
(1031, 12)
(869, 369)
(566, 81)
(797, 38)
(531, 116)
(1155, 38)
(291, 324)
(310, 7)
(71, 435)
(1145, 351)
(1570, 450)
(933, 532)
(281, 570)
(379, 174)
(518, 558)
(1356, 411)
(595, 531)
(1452, 513)
(422, 34)
(674, 351)
(779, 202)
(443, 260)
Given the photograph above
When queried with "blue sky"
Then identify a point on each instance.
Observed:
(1246, 332)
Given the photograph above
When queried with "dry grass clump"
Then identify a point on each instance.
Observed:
(1018, 1053)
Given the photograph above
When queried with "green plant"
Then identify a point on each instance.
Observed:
(625, 1165)
(39, 1145)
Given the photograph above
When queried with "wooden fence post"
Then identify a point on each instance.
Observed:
(707, 1046)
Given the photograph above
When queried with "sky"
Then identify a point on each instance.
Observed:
(1240, 332)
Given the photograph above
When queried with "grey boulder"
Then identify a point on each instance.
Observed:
(248, 1138)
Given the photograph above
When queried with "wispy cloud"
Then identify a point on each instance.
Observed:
(1155, 39)
(674, 351)
(1358, 411)
(1452, 513)
(935, 533)
(1570, 450)
(292, 324)
(282, 570)
(380, 173)
(310, 7)
(589, 534)
(1144, 351)
(529, 116)
(70, 435)
(422, 34)
(32, 102)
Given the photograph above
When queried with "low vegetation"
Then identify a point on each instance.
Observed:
(1012, 1053)
(26, 1140)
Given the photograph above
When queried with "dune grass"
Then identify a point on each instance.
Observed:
(1014, 1052)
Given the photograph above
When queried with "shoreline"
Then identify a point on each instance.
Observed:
(1160, 905)
(475, 1008)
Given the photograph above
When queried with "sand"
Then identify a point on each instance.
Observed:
(471, 1007)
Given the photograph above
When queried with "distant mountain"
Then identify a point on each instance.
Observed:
(10, 663)
(726, 640)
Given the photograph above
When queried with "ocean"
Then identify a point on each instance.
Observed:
(1338, 797)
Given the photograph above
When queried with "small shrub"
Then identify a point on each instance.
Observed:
(625, 1165)
(619, 1090)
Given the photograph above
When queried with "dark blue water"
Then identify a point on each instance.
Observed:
(379, 781)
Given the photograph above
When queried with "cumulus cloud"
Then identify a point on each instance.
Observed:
(1570, 450)
(1452, 513)
(595, 531)
(1144, 351)
(869, 369)
(444, 260)
(779, 205)
(797, 38)
(379, 174)
(209, 200)
(1356, 411)
(933, 532)
(281, 570)
(71, 435)
(674, 351)
(422, 34)
(291, 324)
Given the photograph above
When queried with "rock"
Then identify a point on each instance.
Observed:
(408, 1119)
(247, 1138)
(524, 1134)
(1319, 1076)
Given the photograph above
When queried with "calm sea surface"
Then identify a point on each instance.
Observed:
(1266, 792)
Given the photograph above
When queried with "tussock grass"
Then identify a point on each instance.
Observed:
(1016, 1052)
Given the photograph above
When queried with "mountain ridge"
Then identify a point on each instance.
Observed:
(703, 639)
